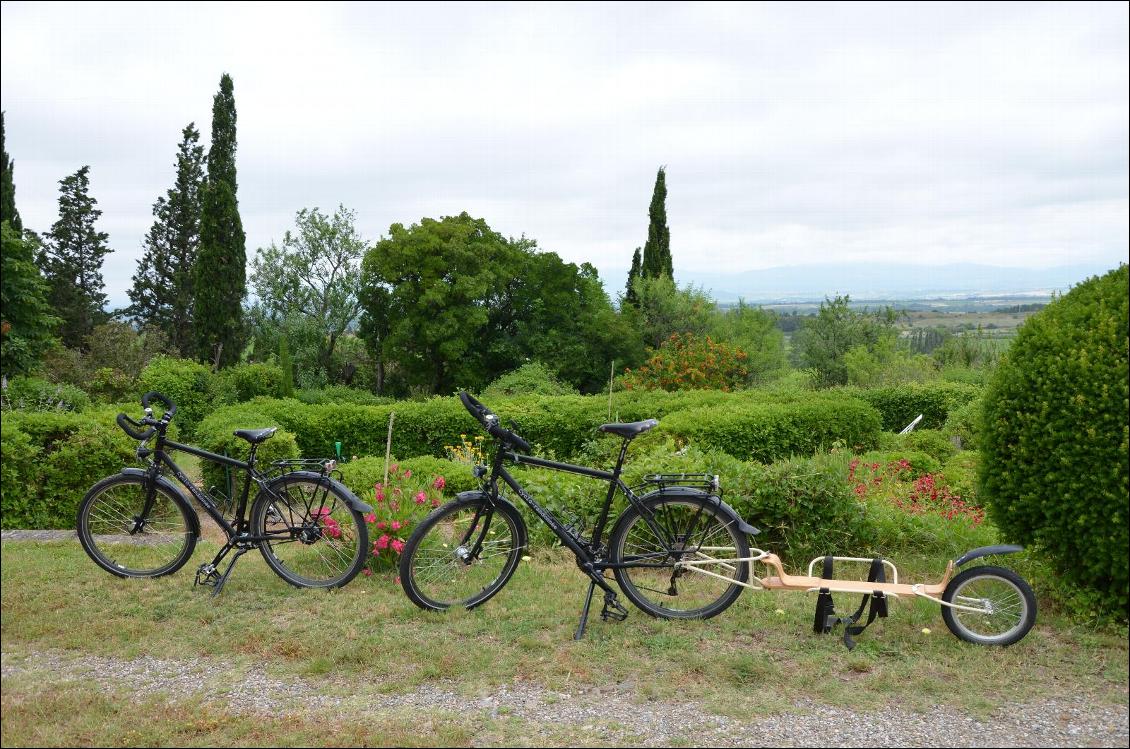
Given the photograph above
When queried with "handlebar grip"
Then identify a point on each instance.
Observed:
(124, 422)
(170, 407)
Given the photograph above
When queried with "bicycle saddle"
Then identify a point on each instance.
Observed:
(631, 429)
(255, 436)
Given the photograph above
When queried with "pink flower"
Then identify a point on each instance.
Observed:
(396, 525)
(398, 579)
(382, 542)
(382, 525)
(332, 528)
(368, 572)
(435, 503)
(394, 468)
(320, 512)
(371, 517)
(397, 545)
(421, 497)
(408, 474)
(379, 493)
(439, 483)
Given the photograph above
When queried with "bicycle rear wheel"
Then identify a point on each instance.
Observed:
(114, 534)
(1005, 602)
(670, 530)
(317, 540)
(462, 554)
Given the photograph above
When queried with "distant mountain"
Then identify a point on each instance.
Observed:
(795, 283)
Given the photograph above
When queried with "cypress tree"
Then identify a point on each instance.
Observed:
(630, 292)
(287, 367)
(657, 249)
(163, 286)
(8, 210)
(72, 261)
(221, 265)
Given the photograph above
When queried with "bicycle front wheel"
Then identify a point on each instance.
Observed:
(315, 539)
(462, 554)
(680, 552)
(122, 540)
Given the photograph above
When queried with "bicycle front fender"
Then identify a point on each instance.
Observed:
(175, 493)
(478, 495)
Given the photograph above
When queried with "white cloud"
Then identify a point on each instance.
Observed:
(929, 133)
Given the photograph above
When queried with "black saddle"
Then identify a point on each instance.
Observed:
(631, 429)
(255, 436)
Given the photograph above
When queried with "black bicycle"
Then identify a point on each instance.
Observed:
(309, 527)
(465, 551)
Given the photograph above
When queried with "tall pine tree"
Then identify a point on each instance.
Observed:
(657, 249)
(163, 286)
(221, 264)
(8, 210)
(630, 295)
(72, 261)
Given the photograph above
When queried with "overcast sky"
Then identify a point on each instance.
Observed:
(792, 134)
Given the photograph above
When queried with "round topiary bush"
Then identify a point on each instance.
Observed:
(1054, 470)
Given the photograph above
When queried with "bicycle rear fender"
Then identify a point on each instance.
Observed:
(175, 493)
(351, 499)
(689, 491)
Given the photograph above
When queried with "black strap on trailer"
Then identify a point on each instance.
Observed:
(827, 619)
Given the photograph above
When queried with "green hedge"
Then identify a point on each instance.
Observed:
(188, 384)
(37, 394)
(901, 404)
(766, 427)
(51, 459)
(216, 434)
(769, 431)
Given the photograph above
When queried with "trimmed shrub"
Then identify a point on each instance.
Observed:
(340, 394)
(216, 434)
(50, 460)
(932, 442)
(36, 394)
(769, 431)
(533, 378)
(185, 382)
(363, 474)
(1055, 471)
(964, 423)
(901, 404)
(243, 382)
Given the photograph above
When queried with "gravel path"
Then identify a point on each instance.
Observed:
(597, 716)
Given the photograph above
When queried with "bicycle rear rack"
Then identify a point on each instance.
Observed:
(705, 482)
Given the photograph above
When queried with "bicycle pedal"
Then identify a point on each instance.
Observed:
(613, 611)
(208, 575)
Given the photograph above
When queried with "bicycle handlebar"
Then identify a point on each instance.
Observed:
(137, 429)
(126, 422)
(489, 421)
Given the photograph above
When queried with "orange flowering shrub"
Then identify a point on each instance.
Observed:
(685, 361)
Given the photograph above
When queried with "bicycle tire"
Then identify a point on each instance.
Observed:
(108, 523)
(679, 516)
(1012, 610)
(433, 573)
(321, 541)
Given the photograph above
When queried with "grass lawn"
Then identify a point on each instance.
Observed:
(367, 643)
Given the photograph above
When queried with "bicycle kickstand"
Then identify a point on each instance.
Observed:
(227, 573)
(585, 613)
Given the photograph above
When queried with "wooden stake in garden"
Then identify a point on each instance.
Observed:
(388, 445)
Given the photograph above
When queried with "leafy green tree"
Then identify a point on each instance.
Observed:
(665, 309)
(657, 250)
(8, 210)
(163, 286)
(753, 330)
(315, 274)
(823, 341)
(72, 261)
(26, 322)
(446, 282)
(887, 363)
(221, 272)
